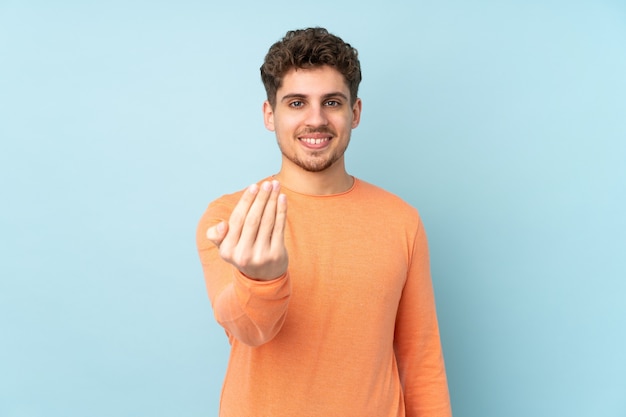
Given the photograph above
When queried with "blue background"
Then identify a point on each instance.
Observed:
(503, 122)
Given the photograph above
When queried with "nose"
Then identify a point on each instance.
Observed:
(316, 116)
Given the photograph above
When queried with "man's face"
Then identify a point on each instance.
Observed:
(313, 118)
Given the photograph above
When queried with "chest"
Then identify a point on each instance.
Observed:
(351, 262)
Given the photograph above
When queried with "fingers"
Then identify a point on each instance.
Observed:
(255, 216)
(278, 232)
(266, 227)
(238, 216)
(217, 233)
(253, 238)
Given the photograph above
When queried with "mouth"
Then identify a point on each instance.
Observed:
(315, 140)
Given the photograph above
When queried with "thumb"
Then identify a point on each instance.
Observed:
(217, 233)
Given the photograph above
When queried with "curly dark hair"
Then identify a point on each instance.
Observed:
(310, 48)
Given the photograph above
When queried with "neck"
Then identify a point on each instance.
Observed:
(333, 180)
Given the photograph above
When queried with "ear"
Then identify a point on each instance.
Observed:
(356, 112)
(268, 115)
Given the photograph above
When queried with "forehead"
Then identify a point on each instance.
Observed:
(313, 81)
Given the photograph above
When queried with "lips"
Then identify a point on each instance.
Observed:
(315, 138)
(314, 141)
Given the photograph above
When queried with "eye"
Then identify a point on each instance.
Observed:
(332, 103)
(296, 104)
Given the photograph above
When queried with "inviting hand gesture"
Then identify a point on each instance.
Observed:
(253, 238)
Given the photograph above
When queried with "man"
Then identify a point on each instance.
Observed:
(328, 305)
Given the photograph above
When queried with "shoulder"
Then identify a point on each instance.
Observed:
(226, 202)
(392, 217)
(382, 197)
(224, 205)
(387, 207)
(219, 209)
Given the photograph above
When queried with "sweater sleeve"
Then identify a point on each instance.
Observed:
(417, 343)
(251, 311)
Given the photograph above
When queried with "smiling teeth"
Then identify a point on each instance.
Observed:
(312, 141)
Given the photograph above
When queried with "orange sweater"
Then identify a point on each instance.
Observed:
(349, 330)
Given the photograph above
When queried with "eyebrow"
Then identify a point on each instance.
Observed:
(324, 97)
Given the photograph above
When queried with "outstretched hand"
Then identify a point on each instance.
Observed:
(253, 238)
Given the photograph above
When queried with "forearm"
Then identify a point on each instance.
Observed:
(424, 380)
(252, 311)
(417, 344)
(249, 310)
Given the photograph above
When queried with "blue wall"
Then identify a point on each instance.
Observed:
(503, 122)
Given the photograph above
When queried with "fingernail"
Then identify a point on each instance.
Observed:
(253, 189)
(221, 226)
(275, 185)
(267, 186)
